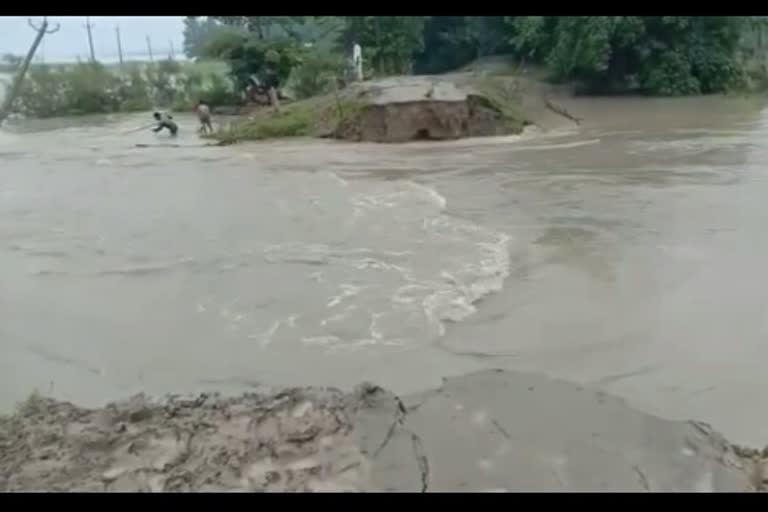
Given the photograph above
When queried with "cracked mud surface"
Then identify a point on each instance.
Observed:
(491, 431)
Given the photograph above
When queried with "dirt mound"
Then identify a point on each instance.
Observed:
(398, 109)
(490, 431)
(426, 120)
(424, 108)
(294, 440)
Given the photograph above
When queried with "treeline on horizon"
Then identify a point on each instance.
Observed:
(655, 55)
(310, 55)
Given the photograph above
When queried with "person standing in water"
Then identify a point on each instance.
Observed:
(165, 120)
(204, 115)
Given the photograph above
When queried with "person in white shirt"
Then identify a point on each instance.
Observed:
(204, 115)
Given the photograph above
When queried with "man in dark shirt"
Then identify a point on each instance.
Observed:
(165, 120)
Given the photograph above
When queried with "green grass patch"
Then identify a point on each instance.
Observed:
(315, 117)
(288, 123)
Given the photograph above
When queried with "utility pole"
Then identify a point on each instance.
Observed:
(173, 51)
(42, 30)
(149, 47)
(119, 45)
(88, 27)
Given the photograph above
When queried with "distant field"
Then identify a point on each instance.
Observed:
(205, 67)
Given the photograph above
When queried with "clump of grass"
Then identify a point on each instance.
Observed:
(31, 406)
(287, 123)
(504, 96)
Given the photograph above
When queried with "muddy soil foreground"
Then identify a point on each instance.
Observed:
(491, 431)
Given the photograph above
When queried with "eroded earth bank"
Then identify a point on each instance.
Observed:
(491, 431)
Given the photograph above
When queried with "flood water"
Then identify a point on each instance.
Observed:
(628, 254)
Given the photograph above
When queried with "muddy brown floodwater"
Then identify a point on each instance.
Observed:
(628, 254)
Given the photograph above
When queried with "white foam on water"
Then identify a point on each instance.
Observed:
(266, 338)
(394, 277)
(320, 340)
(461, 263)
(347, 290)
(562, 145)
(693, 145)
(431, 194)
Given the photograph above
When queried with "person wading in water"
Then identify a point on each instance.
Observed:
(204, 115)
(165, 120)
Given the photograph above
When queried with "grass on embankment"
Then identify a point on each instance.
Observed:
(321, 116)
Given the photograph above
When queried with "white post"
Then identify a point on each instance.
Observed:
(357, 60)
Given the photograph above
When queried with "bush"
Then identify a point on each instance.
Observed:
(316, 73)
(214, 89)
(671, 76)
(169, 66)
(92, 88)
(220, 91)
(10, 63)
(658, 55)
(271, 61)
(40, 94)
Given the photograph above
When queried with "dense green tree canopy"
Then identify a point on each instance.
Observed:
(668, 55)
(664, 55)
(390, 41)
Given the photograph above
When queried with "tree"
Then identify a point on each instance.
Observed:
(389, 42)
(268, 61)
(197, 31)
(11, 60)
(447, 45)
(265, 27)
(453, 41)
(666, 55)
(268, 48)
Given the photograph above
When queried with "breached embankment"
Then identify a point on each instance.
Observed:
(492, 431)
(425, 108)
(409, 108)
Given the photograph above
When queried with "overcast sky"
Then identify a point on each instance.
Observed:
(72, 39)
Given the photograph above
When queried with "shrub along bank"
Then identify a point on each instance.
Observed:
(94, 88)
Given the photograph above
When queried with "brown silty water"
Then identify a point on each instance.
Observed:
(626, 254)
